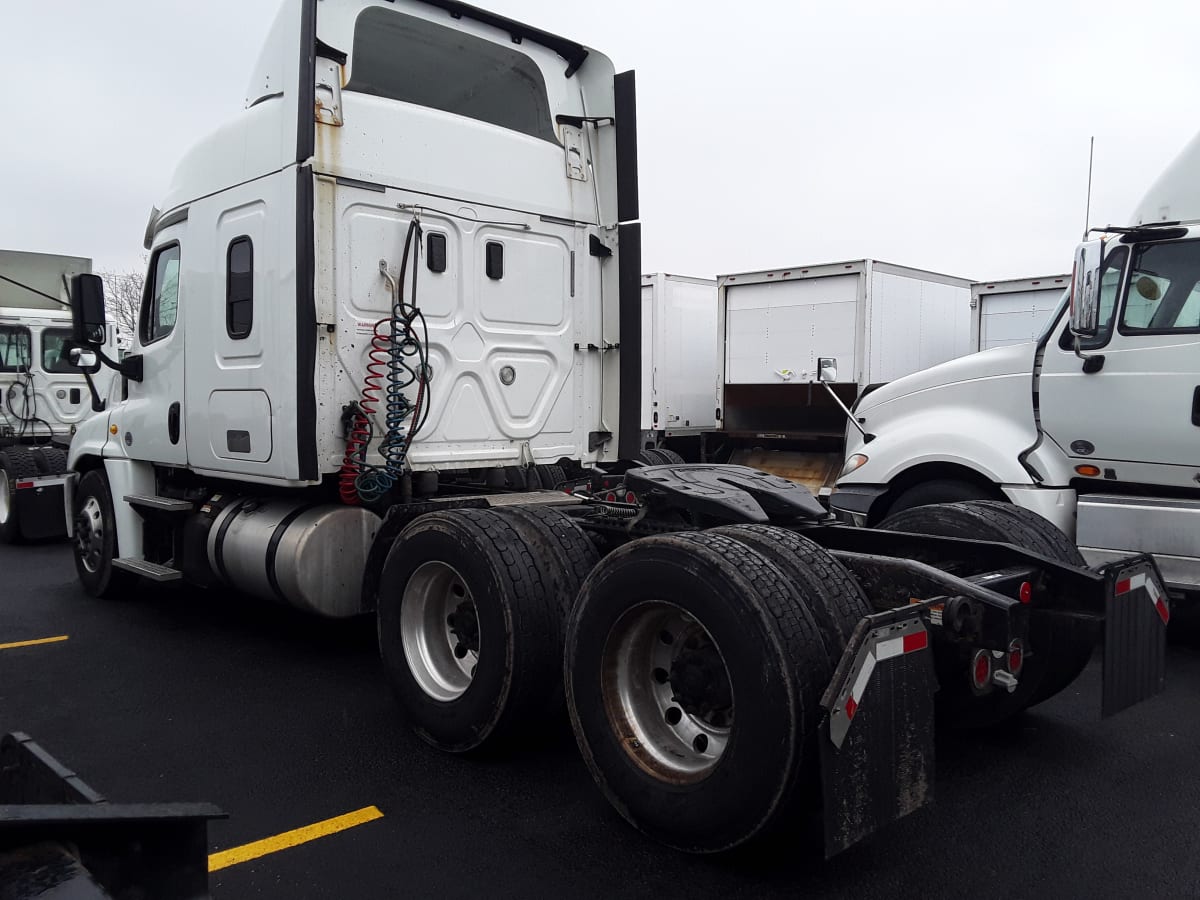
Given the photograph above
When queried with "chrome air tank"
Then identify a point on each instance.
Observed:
(305, 555)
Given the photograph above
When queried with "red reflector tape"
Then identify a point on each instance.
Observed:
(25, 484)
(916, 641)
(1164, 611)
(851, 708)
(1143, 580)
(909, 643)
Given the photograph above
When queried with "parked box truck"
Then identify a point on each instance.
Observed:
(881, 321)
(680, 365)
(1013, 311)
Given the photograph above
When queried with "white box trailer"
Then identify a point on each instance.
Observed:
(879, 320)
(1013, 311)
(680, 365)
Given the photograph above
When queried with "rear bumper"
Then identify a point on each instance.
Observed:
(852, 503)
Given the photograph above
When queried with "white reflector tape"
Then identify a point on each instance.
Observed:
(877, 649)
(1143, 580)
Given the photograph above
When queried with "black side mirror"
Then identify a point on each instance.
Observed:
(87, 310)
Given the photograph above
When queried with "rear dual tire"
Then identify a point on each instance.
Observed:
(15, 463)
(694, 671)
(1059, 649)
(472, 605)
(660, 456)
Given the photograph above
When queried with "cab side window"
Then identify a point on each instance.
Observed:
(239, 288)
(160, 305)
(1164, 293)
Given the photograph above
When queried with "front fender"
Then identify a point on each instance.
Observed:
(90, 439)
(962, 433)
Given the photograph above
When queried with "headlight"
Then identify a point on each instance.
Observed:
(853, 464)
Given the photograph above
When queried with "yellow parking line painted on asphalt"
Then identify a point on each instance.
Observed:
(50, 640)
(293, 838)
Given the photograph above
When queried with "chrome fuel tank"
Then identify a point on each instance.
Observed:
(305, 555)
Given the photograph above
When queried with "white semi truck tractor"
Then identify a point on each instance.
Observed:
(43, 395)
(388, 363)
(1094, 426)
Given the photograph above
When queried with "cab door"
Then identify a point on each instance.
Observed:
(1142, 408)
(151, 424)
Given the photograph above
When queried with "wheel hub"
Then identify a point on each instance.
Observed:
(439, 629)
(700, 682)
(89, 534)
(464, 626)
(665, 685)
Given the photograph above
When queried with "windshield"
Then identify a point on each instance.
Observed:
(1164, 288)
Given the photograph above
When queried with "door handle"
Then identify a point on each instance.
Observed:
(1196, 407)
(173, 422)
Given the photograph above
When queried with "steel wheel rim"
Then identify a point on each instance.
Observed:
(5, 498)
(439, 629)
(89, 534)
(658, 719)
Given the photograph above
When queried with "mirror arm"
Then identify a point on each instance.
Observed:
(867, 438)
(1092, 363)
(98, 405)
(130, 367)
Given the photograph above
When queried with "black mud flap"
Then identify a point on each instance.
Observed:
(41, 513)
(877, 735)
(1135, 633)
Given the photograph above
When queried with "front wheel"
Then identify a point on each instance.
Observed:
(96, 538)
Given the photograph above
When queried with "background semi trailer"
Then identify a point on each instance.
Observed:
(43, 396)
(375, 348)
(1095, 426)
(881, 321)
(1014, 310)
(679, 362)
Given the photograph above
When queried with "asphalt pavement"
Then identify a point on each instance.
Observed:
(284, 721)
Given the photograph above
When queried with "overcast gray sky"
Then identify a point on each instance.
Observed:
(947, 136)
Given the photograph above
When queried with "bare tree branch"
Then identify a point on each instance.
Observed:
(123, 298)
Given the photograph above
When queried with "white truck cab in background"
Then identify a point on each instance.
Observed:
(1098, 432)
(43, 396)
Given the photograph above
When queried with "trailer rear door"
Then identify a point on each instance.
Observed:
(776, 328)
(1017, 317)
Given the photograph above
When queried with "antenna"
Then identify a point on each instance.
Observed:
(1087, 216)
